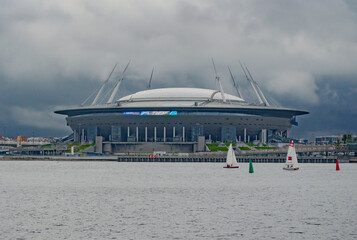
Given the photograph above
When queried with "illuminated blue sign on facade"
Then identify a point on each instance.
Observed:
(152, 113)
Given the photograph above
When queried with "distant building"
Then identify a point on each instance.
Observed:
(303, 140)
(22, 138)
(331, 139)
(3, 138)
(328, 139)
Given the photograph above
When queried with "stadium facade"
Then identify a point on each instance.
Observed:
(177, 120)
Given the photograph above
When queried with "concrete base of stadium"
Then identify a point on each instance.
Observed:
(187, 147)
(149, 147)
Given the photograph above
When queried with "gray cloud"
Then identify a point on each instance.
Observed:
(55, 53)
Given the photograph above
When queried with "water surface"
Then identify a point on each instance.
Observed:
(111, 200)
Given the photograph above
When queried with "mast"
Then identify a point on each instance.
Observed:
(219, 82)
(103, 85)
(152, 72)
(251, 84)
(89, 97)
(258, 88)
(234, 83)
(116, 86)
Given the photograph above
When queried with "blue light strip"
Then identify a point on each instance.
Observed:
(152, 113)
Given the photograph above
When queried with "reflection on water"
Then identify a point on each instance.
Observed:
(110, 200)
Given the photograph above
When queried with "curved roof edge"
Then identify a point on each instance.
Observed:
(178, 94)
(253, 110)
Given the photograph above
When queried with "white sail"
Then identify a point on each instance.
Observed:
(291, 159)
(231, 157)
(234, 162)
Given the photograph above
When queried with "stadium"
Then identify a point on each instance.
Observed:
(177, 119)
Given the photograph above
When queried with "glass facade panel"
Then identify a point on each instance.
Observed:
(196, 131)
(92, 132)
(116, 133)
(228, 133)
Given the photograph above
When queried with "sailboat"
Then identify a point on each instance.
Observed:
(231, 161)
(291, 159)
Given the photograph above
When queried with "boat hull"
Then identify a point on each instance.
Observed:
(291, 169)
(231, 167)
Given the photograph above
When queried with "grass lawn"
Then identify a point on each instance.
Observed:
(78, 147)
(85, 146)
(73, 144)
(244, 148)
(265, 148)
(227, 144)
(250, 144)
(213, 147)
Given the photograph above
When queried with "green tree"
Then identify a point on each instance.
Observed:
(347, 138)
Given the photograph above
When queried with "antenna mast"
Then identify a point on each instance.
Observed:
(152, 72)
(219, 82)
(88, 97)
(103, 85)
(252, 84)
(234, 83)
(258, 88)
(116, 87)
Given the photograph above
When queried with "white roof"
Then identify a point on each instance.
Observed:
(175, 94)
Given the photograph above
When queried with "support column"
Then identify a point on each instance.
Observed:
(239, 139)
(264, 136)
(75, 136)
(128, 131)
(248, 138)
(154, 134)
(83, 136)
(164, 134)
(173, 133)
(183, 134)
(137, 134)
(146, 134)
(99, 144)
(245, 135)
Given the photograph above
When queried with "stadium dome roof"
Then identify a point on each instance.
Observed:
(177, 94)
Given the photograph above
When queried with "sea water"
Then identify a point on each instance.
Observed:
(111, 200)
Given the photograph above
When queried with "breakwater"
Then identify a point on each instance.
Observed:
(223, 159)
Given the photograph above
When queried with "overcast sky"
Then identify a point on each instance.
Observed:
(55, 53)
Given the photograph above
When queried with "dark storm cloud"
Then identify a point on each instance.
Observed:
(29, 104)
(337, 112)
(54, 54)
